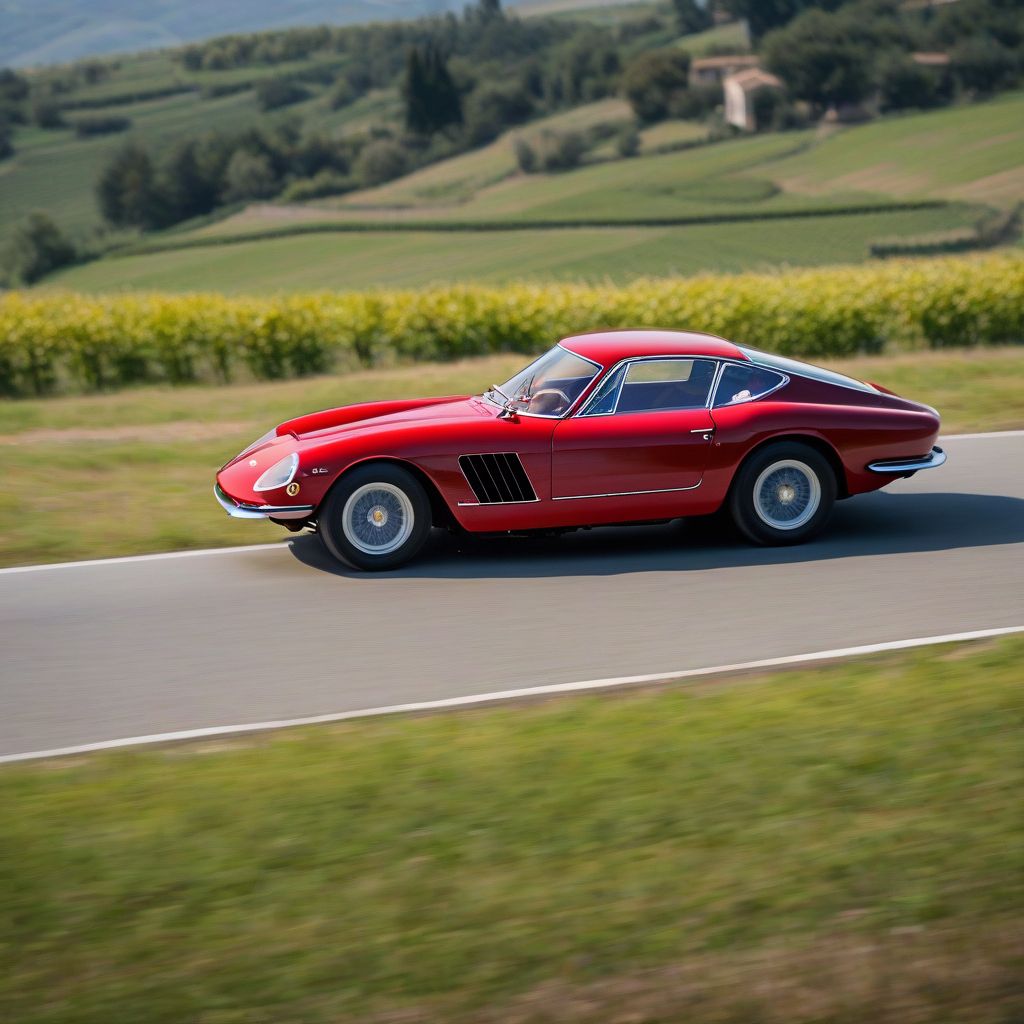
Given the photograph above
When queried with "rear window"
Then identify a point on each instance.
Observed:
(744, 383)
(794, 366)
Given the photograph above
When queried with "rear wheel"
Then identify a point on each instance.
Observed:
(377, 517)
(783, 494)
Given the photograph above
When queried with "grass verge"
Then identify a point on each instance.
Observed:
(103, 475)
(844, 843)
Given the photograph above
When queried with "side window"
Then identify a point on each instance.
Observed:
(745, 383)
(652, 385)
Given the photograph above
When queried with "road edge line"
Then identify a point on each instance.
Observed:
(469, 700)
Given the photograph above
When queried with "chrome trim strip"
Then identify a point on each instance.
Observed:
(627, 494)
(710, 403)
(240, 511)
(496, 504)
(931, 461)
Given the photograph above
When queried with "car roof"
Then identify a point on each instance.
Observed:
(608, 347)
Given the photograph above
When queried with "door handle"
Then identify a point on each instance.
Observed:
(708, 432)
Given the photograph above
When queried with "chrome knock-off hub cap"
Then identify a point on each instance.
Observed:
(787, 494)
(378, 518)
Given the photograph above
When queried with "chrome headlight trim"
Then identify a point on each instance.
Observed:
(280, 474)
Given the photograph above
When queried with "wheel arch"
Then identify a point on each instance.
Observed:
(815, 441)
(440, 513)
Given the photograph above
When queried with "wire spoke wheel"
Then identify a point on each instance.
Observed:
(378, 518)
(787, 494)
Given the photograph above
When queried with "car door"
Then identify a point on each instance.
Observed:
(646, 431)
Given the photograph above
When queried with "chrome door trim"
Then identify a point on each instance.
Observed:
(627, 494)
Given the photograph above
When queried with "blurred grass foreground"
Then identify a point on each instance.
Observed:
(842, 843)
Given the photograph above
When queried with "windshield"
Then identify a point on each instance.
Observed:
(548, 386)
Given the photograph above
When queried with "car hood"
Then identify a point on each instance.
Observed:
(377, 415)
(331, 424)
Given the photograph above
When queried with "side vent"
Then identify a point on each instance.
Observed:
(497, 479)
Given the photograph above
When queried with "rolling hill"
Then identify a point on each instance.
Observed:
(36, 32)
(475, 217)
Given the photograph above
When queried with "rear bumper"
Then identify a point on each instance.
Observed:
(240, 510)
(935, 458)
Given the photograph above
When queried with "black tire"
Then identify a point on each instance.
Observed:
(797, 489)
(386, 498)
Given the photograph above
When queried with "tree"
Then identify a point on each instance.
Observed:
(821, 60)
(690, 16)
(764, 15)
(491, 109)
(380, 161)
(561, 151)
(191, 187)
(982, 64)
(526, 156)
(46, 113)
(249, 176)
(627, 141)
(14, 90)
(273, 93)
(653, 79)
(902, 84)
(37, 247)
(432, 100)
(127, 190)
(6, 146)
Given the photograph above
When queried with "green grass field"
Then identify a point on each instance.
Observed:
(342, 260)
(140, 463)
(665, 185)
(971, 152)
(835, 844)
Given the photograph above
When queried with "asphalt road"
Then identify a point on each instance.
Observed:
(116, 649)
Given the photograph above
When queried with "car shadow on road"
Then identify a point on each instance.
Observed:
(880, 523)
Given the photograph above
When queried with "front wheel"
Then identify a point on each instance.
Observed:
(783, 494)
(377, 517)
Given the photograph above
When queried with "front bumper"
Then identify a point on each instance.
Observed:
(240, 510)
(932, 460)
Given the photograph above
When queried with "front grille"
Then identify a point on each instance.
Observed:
(497, 478)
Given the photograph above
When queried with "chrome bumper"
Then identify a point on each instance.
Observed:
(931, 461)
(242, 511)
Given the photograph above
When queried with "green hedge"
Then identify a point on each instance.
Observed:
(58, 341)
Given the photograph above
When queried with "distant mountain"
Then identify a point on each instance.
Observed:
(54, 31)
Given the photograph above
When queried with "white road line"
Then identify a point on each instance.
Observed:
(982, 436)
(283, 543)
(159, 556)
(502, 695)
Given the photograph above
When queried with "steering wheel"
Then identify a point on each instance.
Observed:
(566, 401)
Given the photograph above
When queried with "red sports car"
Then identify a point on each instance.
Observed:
(605, 428)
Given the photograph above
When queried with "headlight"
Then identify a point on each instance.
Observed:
(279, 475)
